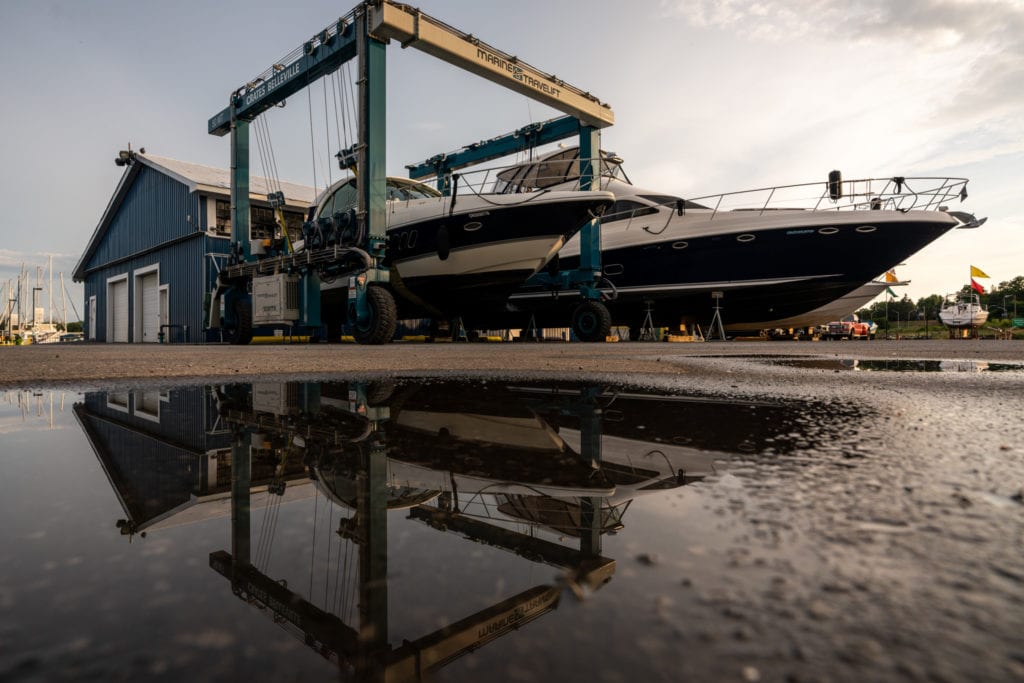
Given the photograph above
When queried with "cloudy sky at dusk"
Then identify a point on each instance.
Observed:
(708, 96)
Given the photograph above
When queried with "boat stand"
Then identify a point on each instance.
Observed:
(716, 330)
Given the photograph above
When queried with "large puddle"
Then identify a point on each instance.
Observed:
(401, 530)
(300, 528)
(895, 365)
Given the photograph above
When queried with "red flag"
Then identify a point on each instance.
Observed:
(976, 287)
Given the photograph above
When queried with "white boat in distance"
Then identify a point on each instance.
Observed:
(963, 311)
(451, 254)
(774, 254)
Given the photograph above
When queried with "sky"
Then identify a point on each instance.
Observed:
(708, 97)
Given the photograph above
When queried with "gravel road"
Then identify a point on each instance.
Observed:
(102, 364)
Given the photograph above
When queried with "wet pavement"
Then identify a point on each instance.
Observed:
(733, 518)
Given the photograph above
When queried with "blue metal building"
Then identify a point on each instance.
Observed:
(156, 252)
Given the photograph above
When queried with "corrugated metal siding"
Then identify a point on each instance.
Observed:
(185, 268)
(151, 477)
(156, 209)
(187, 417)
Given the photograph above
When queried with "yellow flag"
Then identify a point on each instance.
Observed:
(977, 272)
(890, 276)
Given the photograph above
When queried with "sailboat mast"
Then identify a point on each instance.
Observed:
(63, 303)
(49, 291)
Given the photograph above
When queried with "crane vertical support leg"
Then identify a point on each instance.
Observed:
(241, 475)
(372, 143)
(590, 450)
(240, 185)
(373, 559)
(309, 292)
(590, 178)
(590, 526)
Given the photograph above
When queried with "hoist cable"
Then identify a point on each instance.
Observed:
(274, 173)
(312, 549)
(330, 539)
(312, 144)
(327, 135)
(337, 118)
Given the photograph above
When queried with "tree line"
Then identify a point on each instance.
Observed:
(1004, 301)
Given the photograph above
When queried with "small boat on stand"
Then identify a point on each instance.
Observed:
(964, 313)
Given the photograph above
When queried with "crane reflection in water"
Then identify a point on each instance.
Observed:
(541, 471)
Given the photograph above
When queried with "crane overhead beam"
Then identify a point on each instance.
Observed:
(532, 135)
(412, 28)
(324, 53)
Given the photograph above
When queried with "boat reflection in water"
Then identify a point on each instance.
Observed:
(543, 472)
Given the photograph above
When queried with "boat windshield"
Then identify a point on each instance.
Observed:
(345, 196)
(555, 169)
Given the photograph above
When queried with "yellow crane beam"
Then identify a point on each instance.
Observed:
(412, 28)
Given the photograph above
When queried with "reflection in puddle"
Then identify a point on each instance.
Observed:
(897, 365)
(537, 473)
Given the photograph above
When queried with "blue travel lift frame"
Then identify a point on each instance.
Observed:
(585, 279)
(364, 645)
(365, 33)
(344, 40)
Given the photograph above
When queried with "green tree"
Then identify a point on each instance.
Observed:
(1008, 298)
(930, 304)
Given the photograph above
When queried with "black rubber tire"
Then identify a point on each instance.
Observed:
(591, 321)
(380, 327)
(379, 393)
(242, 332)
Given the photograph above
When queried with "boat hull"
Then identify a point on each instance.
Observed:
(447, 262)
(766, 269)
(963, 317)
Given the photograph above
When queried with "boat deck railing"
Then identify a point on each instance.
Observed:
(868, 194)
(527, 178)
(897, 193)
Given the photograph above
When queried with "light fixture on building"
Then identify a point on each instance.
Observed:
(126, 157)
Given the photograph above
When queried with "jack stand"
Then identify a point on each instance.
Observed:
(716, 327)
(459, 333)
(532, 333)
(647, 329)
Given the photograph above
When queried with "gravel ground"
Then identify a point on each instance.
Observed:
(84, 364)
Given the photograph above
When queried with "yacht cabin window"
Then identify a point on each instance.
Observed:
(346, 197)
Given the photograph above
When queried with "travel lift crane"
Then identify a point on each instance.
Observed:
(591, 321)
(284, 290)
(364, 649)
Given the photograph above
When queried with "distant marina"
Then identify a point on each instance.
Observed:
(23, 318)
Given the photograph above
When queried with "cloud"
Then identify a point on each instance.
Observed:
(10, 258)
(941, 80)
(929, 23)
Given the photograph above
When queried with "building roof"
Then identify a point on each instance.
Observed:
(218, 180)
(198, 178)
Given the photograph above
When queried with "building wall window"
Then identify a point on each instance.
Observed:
(223, 218)
(262, 222)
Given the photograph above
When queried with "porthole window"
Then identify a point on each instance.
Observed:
(828, 231)
(866, 228)
(412, 238)
(613, 269)
(472, 226)
(746, 237)
(680, 245)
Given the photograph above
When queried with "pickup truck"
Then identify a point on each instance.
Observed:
(851, 327)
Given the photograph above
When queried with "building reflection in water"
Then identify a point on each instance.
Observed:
(541, 471)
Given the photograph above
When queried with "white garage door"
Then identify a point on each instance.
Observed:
(149, 290)
(117, 302)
